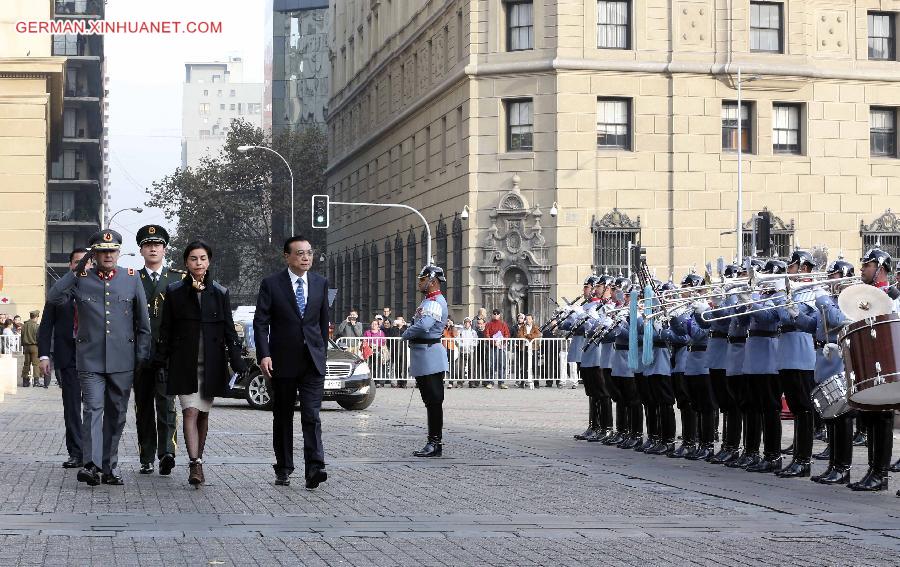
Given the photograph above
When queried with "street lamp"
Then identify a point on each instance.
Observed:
(245, 149)
(464, 215)
(135, 209)
(554, 210)
(740, 154)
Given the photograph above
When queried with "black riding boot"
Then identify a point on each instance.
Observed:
(752, 438)
(840, 441)
(652, 414)
(621, 425)
(803, 442)
(636, 419)
(591, 421)
(433, 448)
(688, 433)
(667, 429)
(706, 448)
(771, 460)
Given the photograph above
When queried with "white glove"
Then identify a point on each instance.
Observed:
(793, 310)
(700, 306)
(830, 350)
(657, 325)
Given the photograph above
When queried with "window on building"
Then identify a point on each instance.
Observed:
(61, 206)
(882, 36)
(519, 25)
(786, 129)
(205, 92)
(65, 44)
(730, 127)
(459, 35)
(221, 107)
(61, 242)
(219, 92)
(457, 271)
(348, 284)
(443, 141)
(216, 78)
(240, 108)
(69, 117)
(204, 108)
(373, 275)
(254, 108)
(231, 106)
(766, 27)
(459, 135)
(231, 92)
(883, 132)
(519, 125)
(398, 274)
(332, 278)
(441, 256)
(388, 272)
(412, 272)
(64, 167)
(362, 281)
(613, 21)
(614, 123)
(204, 133)
(612, 233)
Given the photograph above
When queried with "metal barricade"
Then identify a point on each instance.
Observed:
(549, 363)
(388, 357)
(10, 344)
(479, 362)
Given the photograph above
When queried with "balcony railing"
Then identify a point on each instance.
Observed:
(79, 7)
(73, 215)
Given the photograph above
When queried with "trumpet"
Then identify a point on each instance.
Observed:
(788, 292)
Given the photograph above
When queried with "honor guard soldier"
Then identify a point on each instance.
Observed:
(590, 362)
(676, 334)
(112, 338)
(569, 328)
(830, 319)
(796, 365)
(427, 356)
(154, 411)
(876, 267)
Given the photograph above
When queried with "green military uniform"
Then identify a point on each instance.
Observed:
(155, 414)
(29, 341)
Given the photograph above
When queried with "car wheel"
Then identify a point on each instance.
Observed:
(258, 394)
(360, 403)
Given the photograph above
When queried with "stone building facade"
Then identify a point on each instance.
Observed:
(620, 116)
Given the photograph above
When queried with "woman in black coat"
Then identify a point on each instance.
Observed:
(196, 341)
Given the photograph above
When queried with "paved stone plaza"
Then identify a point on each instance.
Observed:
(513, 489)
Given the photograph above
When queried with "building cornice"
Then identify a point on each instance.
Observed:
(53, 70)
(549, 65)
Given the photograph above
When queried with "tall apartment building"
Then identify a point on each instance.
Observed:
(621, 113)
(77, 189)
(215, 94)
(297, 64)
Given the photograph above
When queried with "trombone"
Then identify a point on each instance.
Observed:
(788, 292)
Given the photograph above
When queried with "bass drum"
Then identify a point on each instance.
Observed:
(830, 397)
(871, 351)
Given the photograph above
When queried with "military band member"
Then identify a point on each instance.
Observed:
(657, 378)
(618, 362)
(427, 356)
(591, 373)
(739, 383)
(113, 338)
(610, 388)
(830, 318)
(796, 365)
(725, 388)
(154, 411)
(676, 334)
(568, 326)
(624, 377)
(876, 268)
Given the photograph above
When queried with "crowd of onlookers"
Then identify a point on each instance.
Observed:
(496, 361)
(10, 327)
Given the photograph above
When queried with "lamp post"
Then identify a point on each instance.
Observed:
(135, 209)
(245, 149)
(740, 171)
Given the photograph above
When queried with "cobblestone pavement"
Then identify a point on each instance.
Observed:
(514, 489)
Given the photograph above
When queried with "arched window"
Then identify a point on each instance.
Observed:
(363, 284)
(398, 273)
(883, 232)
(411, 273)
(332, 278)
(441, 252)
(456, 281)
(612, 233)
(388, 272)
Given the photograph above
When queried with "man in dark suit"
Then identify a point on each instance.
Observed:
(56, 337)
(290, 330)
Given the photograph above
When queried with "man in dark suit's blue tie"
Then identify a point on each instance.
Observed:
(290, 330)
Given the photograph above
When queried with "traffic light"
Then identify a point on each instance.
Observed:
(764, 233)
(320, 211)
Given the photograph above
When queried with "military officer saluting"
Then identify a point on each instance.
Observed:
(154, 411)
(113, 336)
(427, 356)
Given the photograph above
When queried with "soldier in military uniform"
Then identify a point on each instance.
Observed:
(30, 350)
(113, 337)
(154, 411)
(427, 356)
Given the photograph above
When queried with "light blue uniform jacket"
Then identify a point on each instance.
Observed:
(760, 354)
(716, 354)
(577, 341)
(591, 357)
(428, 323)
(795, 348)
(834, 318)
(619, 358)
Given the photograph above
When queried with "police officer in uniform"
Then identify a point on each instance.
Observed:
(154, 411)
(427, 356)
(113, 338)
